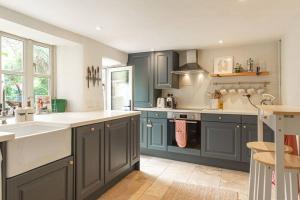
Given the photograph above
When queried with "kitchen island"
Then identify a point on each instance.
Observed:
(104, 148)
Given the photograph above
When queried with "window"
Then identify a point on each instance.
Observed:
(12, 62)
(19, 80)
(41, 70)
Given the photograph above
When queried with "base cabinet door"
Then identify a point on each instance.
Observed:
(157, 134)
(50, 182)
(249, 134)
(135, 140)
(117, 147)
(220, 140)
(143, 133)
(89, 160)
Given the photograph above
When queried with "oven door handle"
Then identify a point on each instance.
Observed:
(188, 122)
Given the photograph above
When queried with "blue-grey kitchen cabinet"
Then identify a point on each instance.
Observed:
(144, 93)
(221, 140)
(89, 159)
(143, 132)
(134, 140)
(53, 181)
(117, 148)
(249, 134)
(165, 63)
(157, 134)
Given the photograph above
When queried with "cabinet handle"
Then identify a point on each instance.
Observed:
(92, 129)
(71, 162)
(108, 125)
(244, 126)
(149, 125)
(156, 115)
(220, 118)
(238, 126)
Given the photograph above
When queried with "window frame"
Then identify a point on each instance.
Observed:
(28, 73)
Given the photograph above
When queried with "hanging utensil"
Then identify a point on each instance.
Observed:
(88, 76)
(98, 75)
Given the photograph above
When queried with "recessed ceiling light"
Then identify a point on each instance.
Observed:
(221, 41)
(98, 28)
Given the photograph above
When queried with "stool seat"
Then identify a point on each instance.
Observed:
(266, 147)
(268, 158)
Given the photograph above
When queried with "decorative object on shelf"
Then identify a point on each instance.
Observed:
(251, 91)
(237, 68)
(250, 65)
(257, 70)
(93, 75)
(223, 64)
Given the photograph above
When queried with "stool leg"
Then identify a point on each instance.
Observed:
(287, 185)
(294, 184)
(268, 183)
(252, 177)
(260, 182)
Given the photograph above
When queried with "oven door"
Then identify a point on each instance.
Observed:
(193, 133)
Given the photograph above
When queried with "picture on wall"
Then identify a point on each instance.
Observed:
(223, 65)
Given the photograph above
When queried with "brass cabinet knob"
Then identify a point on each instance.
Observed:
(93, 129)
(108, 125)
(244, 126)
(71, 162)
(238, 126)
(220, 118)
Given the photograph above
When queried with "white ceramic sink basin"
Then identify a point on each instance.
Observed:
(36, 144)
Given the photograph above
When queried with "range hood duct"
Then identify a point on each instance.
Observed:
(191, 66)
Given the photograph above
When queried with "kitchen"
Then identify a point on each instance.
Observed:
(168, 108)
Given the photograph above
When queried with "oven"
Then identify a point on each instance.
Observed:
(193, 126)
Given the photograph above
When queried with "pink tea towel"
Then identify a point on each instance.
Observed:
(180, 133)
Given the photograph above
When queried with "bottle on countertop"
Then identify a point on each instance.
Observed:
(20, 114)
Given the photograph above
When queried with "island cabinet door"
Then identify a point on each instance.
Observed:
(50, 182)
(117, 148)
(249, 134)
(221, 140)
(89, 160)
(135, 140)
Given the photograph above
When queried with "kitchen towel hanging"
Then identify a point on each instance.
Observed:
(180, 133)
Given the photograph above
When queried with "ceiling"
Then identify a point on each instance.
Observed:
(144, 25)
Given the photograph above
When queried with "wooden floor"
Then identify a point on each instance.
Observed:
(157, 175)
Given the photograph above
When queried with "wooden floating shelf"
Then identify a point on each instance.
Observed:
(240, 74)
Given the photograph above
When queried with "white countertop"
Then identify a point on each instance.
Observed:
(203, 110)
(73, 119)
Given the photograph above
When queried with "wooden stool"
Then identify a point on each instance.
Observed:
(266, 164)
(256, 147)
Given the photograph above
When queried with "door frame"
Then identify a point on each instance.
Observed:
(108, 72)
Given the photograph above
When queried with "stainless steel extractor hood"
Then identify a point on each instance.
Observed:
(191, 66)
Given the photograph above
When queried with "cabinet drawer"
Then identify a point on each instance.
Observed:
(249, 119)
(161, 115)
(221, 118)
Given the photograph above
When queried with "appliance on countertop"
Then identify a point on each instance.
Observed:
(161, 102)
(170, 101)
(191, 65)
(193, 126)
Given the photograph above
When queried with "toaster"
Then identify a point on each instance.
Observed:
(161, 102)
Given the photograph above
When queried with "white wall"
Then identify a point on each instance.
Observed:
(291, 67)
(193, 89)
(72, 59)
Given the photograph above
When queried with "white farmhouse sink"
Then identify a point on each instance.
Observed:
(36, 144)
